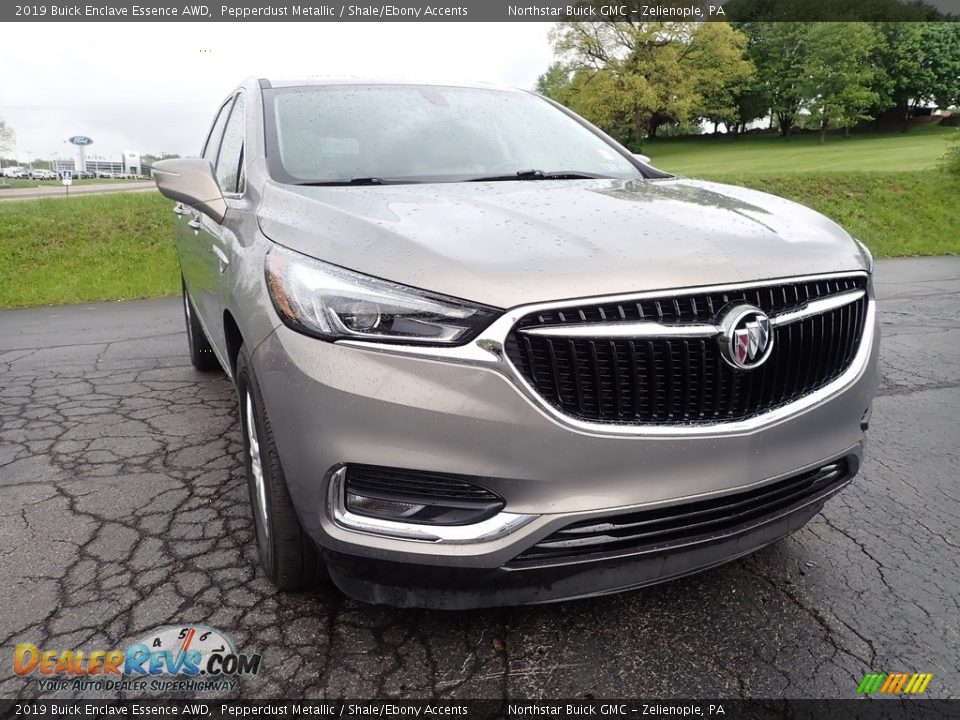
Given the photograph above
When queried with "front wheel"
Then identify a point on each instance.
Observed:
(288, 556)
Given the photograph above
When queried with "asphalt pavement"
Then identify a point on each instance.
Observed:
(123, 508)
(55, 191)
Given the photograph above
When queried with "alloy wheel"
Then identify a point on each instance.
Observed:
(256, 469)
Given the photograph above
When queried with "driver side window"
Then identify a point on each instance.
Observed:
(212, 146)
(230, 157)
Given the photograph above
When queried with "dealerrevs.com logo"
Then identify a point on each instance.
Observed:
(174, 657)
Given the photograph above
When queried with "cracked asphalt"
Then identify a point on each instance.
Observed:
(123, 507)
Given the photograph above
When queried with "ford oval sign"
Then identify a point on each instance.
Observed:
(81, 140)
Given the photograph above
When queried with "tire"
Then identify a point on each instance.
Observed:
(288, 555)
(202, 356)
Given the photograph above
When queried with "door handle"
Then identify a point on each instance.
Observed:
(222, 260)
(195, 224)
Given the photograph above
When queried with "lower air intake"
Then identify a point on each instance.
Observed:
(662, 528)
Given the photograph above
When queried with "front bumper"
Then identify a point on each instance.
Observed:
(333, 403)
(457, 588)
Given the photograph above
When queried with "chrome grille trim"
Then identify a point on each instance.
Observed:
(624, 330)
(817, 307)
(699, 330)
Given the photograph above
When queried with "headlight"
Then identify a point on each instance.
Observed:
(867, 255)
(333, 303)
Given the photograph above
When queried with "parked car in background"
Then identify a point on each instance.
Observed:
(42, 174)
(16, 173)
(484, 355)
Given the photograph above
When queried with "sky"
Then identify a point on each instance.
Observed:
(153, 87)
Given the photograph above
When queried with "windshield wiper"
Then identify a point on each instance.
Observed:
(351, 181)
(522, 175)
(541, 175)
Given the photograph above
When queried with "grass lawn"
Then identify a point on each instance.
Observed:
(99, 247)
(886, 189)
(920, 149)
(894, 214)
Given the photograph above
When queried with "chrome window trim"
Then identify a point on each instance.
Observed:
(238, 96)
(501, 524)
(488, 351)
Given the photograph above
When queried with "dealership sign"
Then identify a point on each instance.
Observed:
(81, 140)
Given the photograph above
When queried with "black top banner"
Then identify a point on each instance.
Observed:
(480, 10)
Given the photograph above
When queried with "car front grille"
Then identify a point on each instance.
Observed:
(660, 529)
(670, 380)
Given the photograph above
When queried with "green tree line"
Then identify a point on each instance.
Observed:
(634, 79)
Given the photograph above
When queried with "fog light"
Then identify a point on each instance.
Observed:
(381, 507)
(419, 506)
(417, 496)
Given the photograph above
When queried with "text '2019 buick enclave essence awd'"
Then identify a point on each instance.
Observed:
(485, 356)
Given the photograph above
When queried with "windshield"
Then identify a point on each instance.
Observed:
(410, 133)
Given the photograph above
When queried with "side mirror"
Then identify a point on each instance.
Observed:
(191, 181)
(645, 159)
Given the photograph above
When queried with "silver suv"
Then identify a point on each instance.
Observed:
(485, 356)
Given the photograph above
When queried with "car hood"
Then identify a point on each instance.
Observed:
(512, 243)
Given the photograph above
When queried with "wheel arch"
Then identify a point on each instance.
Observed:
(233, 338)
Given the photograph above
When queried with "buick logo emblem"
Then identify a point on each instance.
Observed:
(746, 338)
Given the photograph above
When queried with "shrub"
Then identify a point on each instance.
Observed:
(952, 158)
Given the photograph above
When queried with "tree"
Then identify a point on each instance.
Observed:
(6, 136)
(149, 159)
(752, 104)
(919, 64)
(631, 78)
(555, 82)
(725, 72)
(779, 51)
(838, 80)
(619, 105)
(942, 62)
(627, 76)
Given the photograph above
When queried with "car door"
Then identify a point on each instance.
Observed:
(221, 238)
(198, 262)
